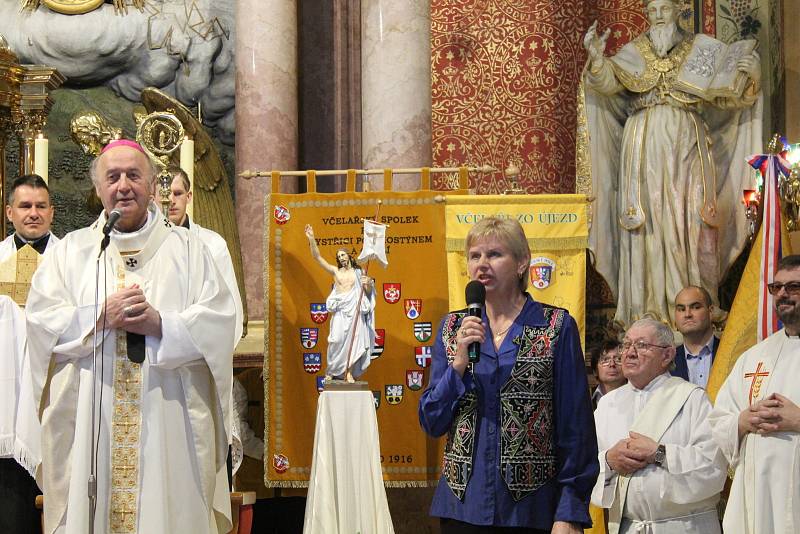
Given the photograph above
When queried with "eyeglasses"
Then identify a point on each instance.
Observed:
(605, 361)
(640, 345)
(792, 288)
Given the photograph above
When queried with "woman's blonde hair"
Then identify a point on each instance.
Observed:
(507, 231)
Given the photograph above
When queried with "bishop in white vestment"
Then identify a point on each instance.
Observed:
(163, 424)
(756, 421)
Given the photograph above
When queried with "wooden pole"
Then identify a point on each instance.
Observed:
(357, 315)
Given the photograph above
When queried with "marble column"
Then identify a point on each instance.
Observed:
(266, 122)
(396, 87)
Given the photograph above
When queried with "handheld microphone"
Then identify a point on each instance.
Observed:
(113, 217)
(475, 295)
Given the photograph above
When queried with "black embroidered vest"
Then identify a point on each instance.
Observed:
(527, 448)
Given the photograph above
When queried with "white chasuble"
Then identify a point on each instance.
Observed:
(163, 426)
(765, 495)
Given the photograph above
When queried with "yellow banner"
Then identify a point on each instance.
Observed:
(411, 300)
(741, 326)
(558, 234)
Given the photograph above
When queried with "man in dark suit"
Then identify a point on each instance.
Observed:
(693, 359)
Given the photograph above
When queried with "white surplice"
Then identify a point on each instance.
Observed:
(681, 496)
(222, 257)
(19, 425)
(186, 379)
(765, 495)
(20, 433)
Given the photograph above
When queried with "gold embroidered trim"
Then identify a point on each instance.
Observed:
(126, 426)
(664, 70)
(16, 274)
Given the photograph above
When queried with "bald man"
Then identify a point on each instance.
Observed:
(165, 326)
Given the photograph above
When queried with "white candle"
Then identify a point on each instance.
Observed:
(187, 164)
(40, 157)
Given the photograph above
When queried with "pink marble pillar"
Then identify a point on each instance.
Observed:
(396, 88)
(266, 122)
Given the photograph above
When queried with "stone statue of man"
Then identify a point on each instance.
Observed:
(667, 167)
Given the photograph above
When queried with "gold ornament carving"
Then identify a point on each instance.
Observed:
(91, 131)
(80, 7)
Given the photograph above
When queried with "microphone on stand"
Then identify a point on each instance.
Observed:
(113, 217)
(475, 295)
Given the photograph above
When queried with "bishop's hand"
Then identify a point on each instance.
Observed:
(128, 309)
(595, 44)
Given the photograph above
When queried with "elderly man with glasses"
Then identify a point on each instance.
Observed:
(756, 420)
(660, 470)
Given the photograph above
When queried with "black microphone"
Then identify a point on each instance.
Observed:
(113, 217)
(475, 295)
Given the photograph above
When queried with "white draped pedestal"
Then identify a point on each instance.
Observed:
(345, 492)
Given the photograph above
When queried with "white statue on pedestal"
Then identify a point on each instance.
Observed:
(667, 166)
(352, 305)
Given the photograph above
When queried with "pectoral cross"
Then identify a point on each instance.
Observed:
(755, 385)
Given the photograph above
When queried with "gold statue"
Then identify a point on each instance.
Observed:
(92, 132)
(213, 202)
(79, 7)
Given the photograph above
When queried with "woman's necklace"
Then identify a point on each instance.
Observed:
(502, 332)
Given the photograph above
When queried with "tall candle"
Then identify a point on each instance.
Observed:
(187, 164)
(40, 157)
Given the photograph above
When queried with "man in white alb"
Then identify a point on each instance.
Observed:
(756, 421)
(165, 324)
(660, 471)
(31, 213)
(179, 198)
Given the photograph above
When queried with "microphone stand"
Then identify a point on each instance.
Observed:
(92, 480)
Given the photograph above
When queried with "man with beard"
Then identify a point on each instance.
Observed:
(353, 307)
(666, 211)
(756, 420)
(693, 358)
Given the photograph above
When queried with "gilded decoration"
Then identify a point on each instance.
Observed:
(125, 435)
